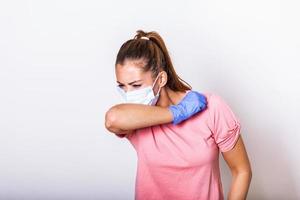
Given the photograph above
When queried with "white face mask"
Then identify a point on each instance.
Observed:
(142, 96)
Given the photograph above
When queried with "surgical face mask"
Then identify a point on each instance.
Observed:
(141, 96)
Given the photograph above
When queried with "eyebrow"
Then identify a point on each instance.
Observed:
(130, 82)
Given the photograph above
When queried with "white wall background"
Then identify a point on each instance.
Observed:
(57, 80)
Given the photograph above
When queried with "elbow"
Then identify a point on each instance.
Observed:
(250, 174)
(247, 173)
(110, 119)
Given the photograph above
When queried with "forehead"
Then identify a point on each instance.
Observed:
(131, 70)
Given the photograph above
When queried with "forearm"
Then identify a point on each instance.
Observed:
(240, 185)
(134, 116)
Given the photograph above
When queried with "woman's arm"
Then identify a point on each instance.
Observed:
(239, 165)
(122, 118)
(126, 117)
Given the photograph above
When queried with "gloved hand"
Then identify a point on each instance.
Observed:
(192, 103)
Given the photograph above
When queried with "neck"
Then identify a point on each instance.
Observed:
(169, 97)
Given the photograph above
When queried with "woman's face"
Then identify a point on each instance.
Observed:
(130, 76)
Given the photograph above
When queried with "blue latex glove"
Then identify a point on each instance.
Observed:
(192, 103)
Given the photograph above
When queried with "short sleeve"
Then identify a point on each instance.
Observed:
(224, 124)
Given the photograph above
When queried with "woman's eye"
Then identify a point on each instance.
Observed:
(120, 86)
(136, 85)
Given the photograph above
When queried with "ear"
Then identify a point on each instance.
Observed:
(163, 78)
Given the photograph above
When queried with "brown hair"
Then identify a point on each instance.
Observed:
(155, 55)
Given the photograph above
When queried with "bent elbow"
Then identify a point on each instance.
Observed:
(114, 120)
(110, 119)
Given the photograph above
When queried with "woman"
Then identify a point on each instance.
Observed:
(177, 161)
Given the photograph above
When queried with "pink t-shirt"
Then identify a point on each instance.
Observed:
(181, 162)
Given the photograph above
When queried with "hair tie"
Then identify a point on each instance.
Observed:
(144, 37)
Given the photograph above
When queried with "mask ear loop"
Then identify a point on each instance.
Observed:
(154, 84)
(158, 91)
(155, 80)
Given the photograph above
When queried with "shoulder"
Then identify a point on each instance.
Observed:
(219, 110)
(213, 99)
(216, 105)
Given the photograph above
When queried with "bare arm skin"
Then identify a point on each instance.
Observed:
(125, 118)
(238, 162)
